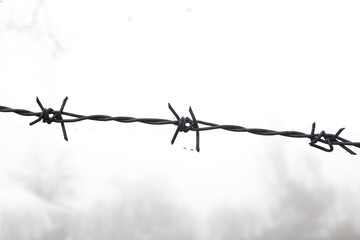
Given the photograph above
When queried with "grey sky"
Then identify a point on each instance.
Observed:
(272, 64)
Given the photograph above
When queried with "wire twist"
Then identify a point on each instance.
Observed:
(185, 125)
(322, 140)
(45, 116)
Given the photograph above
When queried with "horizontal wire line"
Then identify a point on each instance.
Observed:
(184, 125)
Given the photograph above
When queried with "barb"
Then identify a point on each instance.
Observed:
(56, 116)
(322, 140)
(185, 125)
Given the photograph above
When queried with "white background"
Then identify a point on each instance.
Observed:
(270, 64)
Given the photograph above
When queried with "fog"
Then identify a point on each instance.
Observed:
(278, 65)
(48, 195)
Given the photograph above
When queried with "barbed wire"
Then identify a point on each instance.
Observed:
(185, 124)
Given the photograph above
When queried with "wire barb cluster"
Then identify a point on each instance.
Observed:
(45, 116)
(185, 124)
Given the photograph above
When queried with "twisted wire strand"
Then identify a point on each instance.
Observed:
(184, 124)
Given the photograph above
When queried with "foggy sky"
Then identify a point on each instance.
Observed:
(279, 65)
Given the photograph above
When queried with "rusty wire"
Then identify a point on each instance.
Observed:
(185, 124)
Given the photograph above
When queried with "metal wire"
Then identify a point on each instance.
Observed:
(185, 124)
